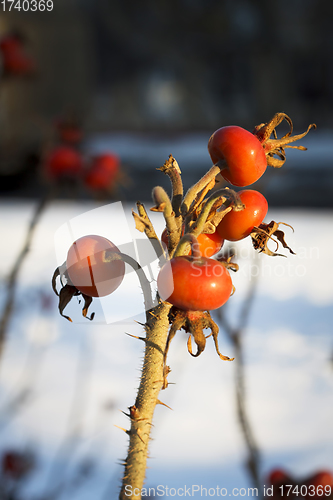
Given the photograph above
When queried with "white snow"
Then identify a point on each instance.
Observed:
(82, 373)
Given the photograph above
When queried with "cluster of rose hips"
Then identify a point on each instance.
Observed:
(191, 280)
(281, 484)
(65, 161)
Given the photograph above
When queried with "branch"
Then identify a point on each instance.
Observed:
(171, 168)
(144, 225)
(163, 204)
(13, 276)
(199, 186)
(141, 413)
(144, 282)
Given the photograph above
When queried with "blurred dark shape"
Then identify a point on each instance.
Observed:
(19, 171)
(160, 69)
(17, 464)
(103, 174)
(15, 61)
(69, 130)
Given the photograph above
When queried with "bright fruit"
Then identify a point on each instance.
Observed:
(239, 153)
(89, 269)
(238, 225)
(194, 284)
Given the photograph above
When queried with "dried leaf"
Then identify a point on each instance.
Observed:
(265, 232)
(140, 223)
(159, 208)
(275, 147)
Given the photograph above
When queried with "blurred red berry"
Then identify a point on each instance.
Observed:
(69, 132)
(278, 477)
(103, 172)
(63, 161)
(14, 59)
(321, 478)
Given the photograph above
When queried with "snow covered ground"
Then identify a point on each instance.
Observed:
(82, 373)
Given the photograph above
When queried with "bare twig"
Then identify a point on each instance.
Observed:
(13, 276)
(144, 225)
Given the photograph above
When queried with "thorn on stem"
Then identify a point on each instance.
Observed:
(158, 402)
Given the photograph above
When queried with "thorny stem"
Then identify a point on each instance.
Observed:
(236, 337)
(141, 413)
(144, 282)
(12, 279)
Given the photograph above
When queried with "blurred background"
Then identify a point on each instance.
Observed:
(139, 81)
(159, 78)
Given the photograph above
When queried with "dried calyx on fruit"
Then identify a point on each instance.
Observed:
(276, 146)
(264, 233)
(241, 157)
(194, 323)
(67, 292)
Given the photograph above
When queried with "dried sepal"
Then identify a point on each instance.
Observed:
(87, 301)
(194, 323)
(226, 262)
(265, 232)
(159, 208)
(65, 296)
(170, 163)
(67, 292)
(274, 147)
